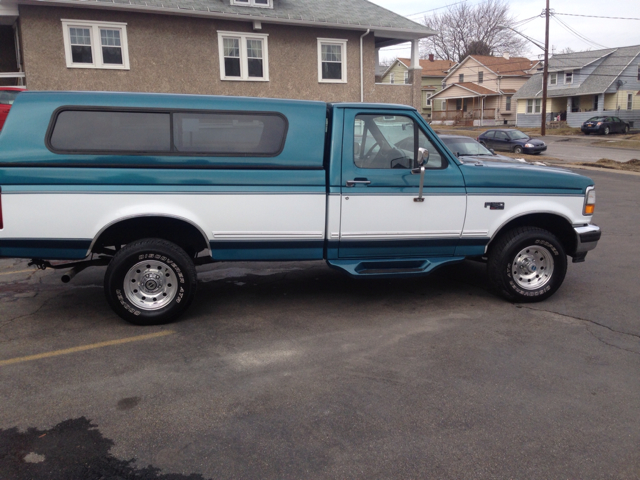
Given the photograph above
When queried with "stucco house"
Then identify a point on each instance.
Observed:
(479, 90)
(433, 73)
(583, 84)
(308, 49)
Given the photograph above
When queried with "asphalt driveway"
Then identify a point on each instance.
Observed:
(296, 371)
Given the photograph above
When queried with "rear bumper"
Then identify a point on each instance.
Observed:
(586, 239)
(590, 129)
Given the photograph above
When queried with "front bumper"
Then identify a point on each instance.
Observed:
(587, 238)
(536, 149)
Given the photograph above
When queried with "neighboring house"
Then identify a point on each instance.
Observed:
(584, 84)
(479, 90)
(308, 49)
(433, 73)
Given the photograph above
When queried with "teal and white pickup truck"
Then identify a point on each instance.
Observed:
(154, 185)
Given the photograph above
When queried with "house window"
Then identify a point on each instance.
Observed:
(638, 71)
(553, 79)
(254, 3)
(444, 104)
(629, 101)
(480, 77)
(461, 78)
(95, 44)
(568, 78)
(392, 78)
(332, 60)
(507, 106)
(534, 105)
(458, 104)
(243, 56)
(406, 77)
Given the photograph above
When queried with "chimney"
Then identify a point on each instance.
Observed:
(431, 57)
(506, 55)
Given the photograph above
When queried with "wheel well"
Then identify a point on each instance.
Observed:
(555, 224)
(180, 232)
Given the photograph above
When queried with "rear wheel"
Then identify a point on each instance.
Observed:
(150, 282)
(517, 149)
(527, 264)
(626, 129)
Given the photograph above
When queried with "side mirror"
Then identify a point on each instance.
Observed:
(423, 156)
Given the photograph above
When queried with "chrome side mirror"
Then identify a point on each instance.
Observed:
(423, 156)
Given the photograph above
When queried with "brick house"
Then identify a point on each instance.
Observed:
(308, 49)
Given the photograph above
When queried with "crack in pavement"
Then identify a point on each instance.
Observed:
(586, 320)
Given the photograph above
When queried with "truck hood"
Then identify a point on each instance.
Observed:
(484, 176)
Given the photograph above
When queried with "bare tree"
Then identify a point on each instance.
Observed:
(465, 29)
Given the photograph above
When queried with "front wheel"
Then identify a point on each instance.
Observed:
(527, 264)
(517, 149)
(150, 282)
(607, 130)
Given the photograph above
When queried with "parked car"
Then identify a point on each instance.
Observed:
(604, 125)
(469, 150)
(510, 140)
(7, 96)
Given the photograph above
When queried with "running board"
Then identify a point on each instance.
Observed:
(392, 267)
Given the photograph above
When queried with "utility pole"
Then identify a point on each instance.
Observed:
(545, 73)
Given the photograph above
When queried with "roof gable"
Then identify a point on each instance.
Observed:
(512, 66)
(435, 68)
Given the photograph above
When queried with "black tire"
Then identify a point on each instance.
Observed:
(606, 130)
(587, 133)
(517, 149)
(517, 264)
(152, 293)
(626, 129)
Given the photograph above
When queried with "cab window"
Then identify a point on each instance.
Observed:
(391, 142)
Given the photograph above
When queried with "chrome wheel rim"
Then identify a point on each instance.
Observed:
(150, 285)
(532, 267)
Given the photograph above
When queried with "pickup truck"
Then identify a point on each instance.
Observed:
(153, 185)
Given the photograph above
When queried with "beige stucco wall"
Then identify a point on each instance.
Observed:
(179, 54)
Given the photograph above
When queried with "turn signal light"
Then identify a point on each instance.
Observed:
(589, 201)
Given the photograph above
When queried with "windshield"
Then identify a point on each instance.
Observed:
(8, 96)
(596, 119)
(465, 146)
(517, 135)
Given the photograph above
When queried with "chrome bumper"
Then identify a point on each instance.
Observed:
(586, 239)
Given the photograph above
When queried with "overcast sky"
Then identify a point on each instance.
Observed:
(607, 32)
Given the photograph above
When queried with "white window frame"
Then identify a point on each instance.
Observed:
(343, 46)
(96, 44)
(534, 106)
(406, 76)
(570, 74)
(629, 101)
(480, 76)
(244, 61)
(392, 77)
(507, 103)
(252, 3)
(461, 78)
(553, 78)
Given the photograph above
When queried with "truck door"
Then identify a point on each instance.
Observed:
(380, 216)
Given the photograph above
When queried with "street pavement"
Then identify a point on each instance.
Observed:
(293, 370)
(580, 149)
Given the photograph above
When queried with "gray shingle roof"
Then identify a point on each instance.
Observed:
(597, 82)
(350, 14)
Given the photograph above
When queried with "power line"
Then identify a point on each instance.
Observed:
(578, 35)
(434, 9)
(596, 16)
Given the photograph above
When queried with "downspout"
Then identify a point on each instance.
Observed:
(362, 67)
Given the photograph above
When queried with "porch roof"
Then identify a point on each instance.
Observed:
(468, 90)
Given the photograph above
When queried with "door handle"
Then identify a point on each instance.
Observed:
(358, 181)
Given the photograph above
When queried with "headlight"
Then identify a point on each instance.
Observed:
(598, 124)
(528, 145)
(589, 201)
